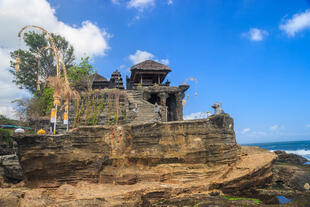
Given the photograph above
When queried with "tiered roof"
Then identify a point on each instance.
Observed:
(150, 65)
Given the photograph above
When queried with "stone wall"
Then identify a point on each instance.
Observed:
(168, 97)
(95, 154)
(104, 107)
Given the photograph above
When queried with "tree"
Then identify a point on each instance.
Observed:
(80, 76)
(6, 121)
(26, 78)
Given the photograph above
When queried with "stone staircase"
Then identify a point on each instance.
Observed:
(145, 109)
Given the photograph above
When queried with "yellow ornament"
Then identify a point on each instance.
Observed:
(56, 100)
(41, 131)
(67, 104)
(53, 114)
(38, 85)
(17, 63)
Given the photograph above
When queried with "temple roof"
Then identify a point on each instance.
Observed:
(116, 72)
(97, 77)
(150, 65)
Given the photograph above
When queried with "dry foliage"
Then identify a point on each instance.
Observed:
(62, 88)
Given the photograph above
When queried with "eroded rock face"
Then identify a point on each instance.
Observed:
(10, 169)
(291, 177)
(184, 185)
(105, 154)
(151, 164)
(49, 161)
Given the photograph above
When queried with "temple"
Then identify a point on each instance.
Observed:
(146, 90)
(147, 73)
(100, 82)
(147, 97)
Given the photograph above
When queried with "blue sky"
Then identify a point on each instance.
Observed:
(251, 55)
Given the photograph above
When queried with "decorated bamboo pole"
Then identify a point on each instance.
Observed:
(52, 44)
(55, 122)
(39, 64)
(66, 114)
(56, 104)
(64, 91)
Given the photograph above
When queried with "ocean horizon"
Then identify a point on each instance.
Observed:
(301, 148)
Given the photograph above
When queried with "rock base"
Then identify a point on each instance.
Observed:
(180, 185)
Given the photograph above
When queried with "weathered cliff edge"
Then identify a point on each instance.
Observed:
(98, 154)
(138, 165)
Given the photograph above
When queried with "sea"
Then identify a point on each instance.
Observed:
(297, 147)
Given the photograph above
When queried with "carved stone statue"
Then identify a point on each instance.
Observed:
(157, 112)
(218, 108)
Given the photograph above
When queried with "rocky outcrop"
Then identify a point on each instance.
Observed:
(7, 149)
(290, 158)
(254, 171)
(291, 177)
(151, 164)
(185, 185)
(95, 154)
(10, 169)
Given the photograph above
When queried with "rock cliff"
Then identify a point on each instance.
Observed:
(151, 164)
(95, 154)
(10, 169)
(185, 185)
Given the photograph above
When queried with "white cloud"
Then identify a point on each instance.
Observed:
(115, 2)
(87, 39)
(256, 34)
(164, 61)
(297, 23)
(196, 115)
(249, 134)
(274, 127)
(246, 130)
(8, 90)
(170, 2)
(140, 4)
(258, 134)
(141, 56)
(8, 112)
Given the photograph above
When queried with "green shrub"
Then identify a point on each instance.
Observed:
(5, 136)
(45, 100)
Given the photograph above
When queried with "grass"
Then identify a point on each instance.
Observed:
(255, 200)
(224, 201)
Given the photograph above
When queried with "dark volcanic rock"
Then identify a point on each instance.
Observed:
(289, 158)
(291, 177)
(8, 148)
